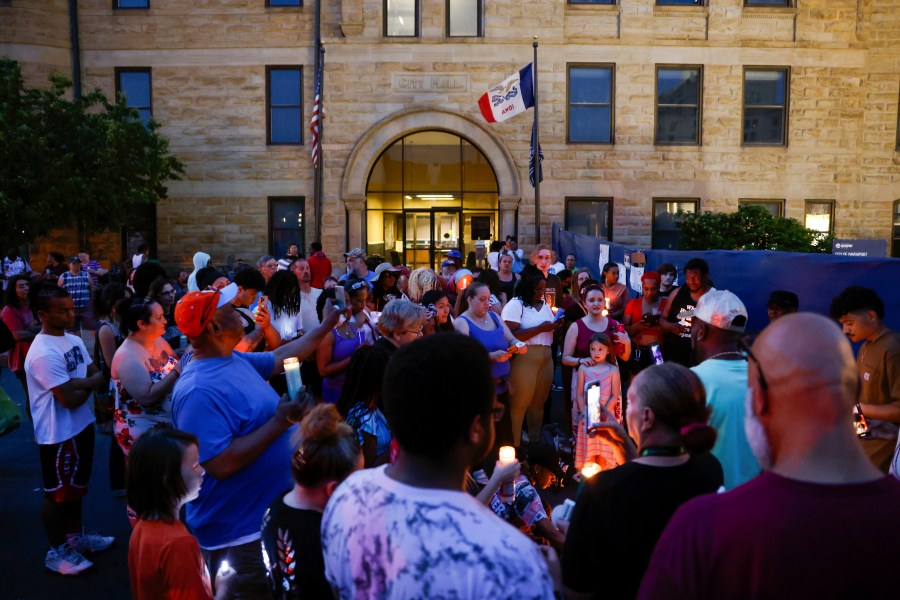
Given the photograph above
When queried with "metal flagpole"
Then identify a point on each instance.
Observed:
(537, 149)
(317, 66)
(320, 169)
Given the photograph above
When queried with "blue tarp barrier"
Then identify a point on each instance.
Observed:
(753, 274)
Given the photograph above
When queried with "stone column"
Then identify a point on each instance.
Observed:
(356, 208)
(508, 211)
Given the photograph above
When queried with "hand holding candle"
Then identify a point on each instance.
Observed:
(292, 375)
(507, 492)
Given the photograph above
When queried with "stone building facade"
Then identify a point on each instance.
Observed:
(398, 109)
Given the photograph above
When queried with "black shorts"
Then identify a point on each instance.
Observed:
(66, 466)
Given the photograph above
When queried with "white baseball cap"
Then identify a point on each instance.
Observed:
(720, 308)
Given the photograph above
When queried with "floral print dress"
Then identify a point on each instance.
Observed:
(132, 419)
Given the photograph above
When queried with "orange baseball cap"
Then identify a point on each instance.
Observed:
(196, 309)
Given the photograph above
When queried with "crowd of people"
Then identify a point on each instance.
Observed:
(277, 431)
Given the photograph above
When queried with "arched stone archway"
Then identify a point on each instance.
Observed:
(385, 132)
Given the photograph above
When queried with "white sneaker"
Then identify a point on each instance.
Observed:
(65, 560)
(90, 542)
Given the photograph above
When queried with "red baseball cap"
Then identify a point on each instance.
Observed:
(196, 309)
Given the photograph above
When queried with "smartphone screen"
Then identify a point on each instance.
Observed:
(592, 400)
(340, 297)
(656, 352)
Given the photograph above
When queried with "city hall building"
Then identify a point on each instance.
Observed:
(646, 107)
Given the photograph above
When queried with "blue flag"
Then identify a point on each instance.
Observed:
(531, 160)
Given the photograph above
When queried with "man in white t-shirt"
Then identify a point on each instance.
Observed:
(61, 378)
(309, 296)
(408, 530)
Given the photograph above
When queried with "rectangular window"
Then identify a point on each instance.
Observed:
(679, 2)
(610, 2)
(666, 234)
(464, 18)
(131, 3)
(590, 216)
(678, 100)
(284, 3)
(784, 3)
(286, 224)
(895, 231)
(819, 216)
(766, 92)
(401, 18)
(591, 104)
(134, 84)
(775, 207)
(284, 99)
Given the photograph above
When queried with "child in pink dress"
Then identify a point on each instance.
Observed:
(601, 368)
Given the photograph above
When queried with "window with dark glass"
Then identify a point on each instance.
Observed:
(590, 216)
(666, 233)
(131, 3)
(286, 224)
(765, 106)
(775, 207)
(464, 18)
(401, 18)
(895, 231)
(276, 3)
(610, 2)
(591, 101)
(134, 84)
(284, 98)
(679, 2)
(783, 3)
(678, 102)
(819, 216)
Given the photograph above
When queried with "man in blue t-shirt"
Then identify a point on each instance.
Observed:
(357, 267)
(223, 398)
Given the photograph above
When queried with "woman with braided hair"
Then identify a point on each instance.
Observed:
(283, 295)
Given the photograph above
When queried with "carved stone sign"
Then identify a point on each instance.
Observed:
(429, 82)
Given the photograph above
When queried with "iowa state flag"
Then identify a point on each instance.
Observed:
(515, 95)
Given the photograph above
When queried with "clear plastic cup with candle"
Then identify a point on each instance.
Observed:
(507, 492)
(292, 375)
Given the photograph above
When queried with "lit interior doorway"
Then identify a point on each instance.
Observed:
(430, 192)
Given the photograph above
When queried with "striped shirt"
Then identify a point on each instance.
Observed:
(78, 287)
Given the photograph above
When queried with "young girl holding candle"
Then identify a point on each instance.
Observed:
(601, 368)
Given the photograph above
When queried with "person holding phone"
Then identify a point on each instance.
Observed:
(641, 321)
(598, 384)
(481, 323)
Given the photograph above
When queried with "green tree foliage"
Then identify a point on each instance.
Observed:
(84, 162)
(750, 228)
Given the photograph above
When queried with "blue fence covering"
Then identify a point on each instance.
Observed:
(753, 274)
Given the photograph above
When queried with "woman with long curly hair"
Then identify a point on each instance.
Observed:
(422, 280)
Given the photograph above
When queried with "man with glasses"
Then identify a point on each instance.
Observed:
(268, 266)
(717, 325)
(408, 530)
(821, 521)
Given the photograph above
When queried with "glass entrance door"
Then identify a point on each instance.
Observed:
(430, 236)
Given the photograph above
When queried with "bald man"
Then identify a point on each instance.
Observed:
(821, 521)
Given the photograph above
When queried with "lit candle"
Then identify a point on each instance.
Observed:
(608, 304)
(590, 469)
(292, 374)
(507, 491)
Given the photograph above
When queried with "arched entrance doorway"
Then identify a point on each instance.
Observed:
(428, 193)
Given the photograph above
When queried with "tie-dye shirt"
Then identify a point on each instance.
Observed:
(385, 539)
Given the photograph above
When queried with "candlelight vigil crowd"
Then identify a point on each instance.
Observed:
(275, 431)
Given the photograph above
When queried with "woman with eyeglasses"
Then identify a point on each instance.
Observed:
(144, 370)
(481, 323)
(335, 350)
(163, 292)
(627, 508)
(401, 322)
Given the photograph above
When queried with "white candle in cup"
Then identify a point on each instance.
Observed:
(590, 469)
(292, 374)
(507, 491)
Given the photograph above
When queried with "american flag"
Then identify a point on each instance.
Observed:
(317, 113)
(532, 161)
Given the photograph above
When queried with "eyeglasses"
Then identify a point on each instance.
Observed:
(272, 265)
(748, 356)
(415, 331)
